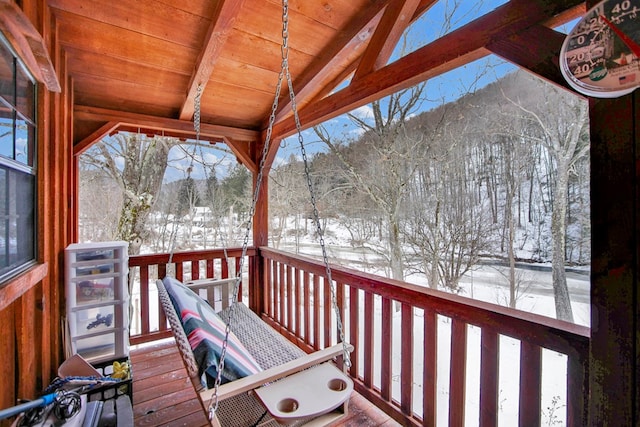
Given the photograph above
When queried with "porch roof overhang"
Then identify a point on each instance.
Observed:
(137, 64)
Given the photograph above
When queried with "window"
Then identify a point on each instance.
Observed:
(17, 164)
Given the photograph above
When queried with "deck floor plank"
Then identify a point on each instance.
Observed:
(163, 394)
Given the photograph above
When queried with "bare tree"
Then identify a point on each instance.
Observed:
(137, 164)
(563, 132)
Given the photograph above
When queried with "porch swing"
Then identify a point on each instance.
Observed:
(244, 372)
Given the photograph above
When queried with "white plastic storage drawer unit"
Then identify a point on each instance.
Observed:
(98, 300)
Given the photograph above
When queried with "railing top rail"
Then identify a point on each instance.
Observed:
(182, 256)
(561, 336)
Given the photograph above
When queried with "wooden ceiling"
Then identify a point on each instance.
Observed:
(137, 64)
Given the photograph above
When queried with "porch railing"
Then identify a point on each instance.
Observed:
(425, 357)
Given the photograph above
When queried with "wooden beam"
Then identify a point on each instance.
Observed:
(182, 127)
(97, 135)
(242, 150)
(447, 53)
(238, 140)
(29, 44)
(396, 18)
(317, 81)
(222, 22)
(536, 50)
(342, 53)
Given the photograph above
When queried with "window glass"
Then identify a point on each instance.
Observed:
(25, 95)
(6, 131)
(17, 161)
(7, 68)
(22, 149)
(17, 214)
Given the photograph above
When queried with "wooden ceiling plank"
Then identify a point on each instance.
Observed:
(396, 18)
(536, 50)
(222, 22)
(123, 44)
(156, 15)
(160, 123)
(444, 54)
(31, 47)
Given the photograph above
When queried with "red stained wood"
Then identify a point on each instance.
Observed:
(489, 354)
(326, 314)
(306, 312)
(280, 283)
(144, 300)
(457, 378)
(396, 18)
(530, 384)
(195, 269)
(430, 369)
(297, 301)
(268, 286)
(406, 359)
(368, 339)
(386, 346)
(289, 291)
(354, 330)
(316, 312)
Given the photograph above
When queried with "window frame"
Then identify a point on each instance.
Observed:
(26, 168)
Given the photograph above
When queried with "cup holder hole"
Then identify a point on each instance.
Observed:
(288, 405)
(337, 384)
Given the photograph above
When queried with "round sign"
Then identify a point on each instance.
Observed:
(600, 57)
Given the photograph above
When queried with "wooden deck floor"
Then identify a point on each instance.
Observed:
(163, 395)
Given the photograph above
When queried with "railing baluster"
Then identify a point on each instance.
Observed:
(354, 329)
(282, 311)
(289, 296)
(144, 301)
(316, 312)
(326, 293)
(406, 359)
(340, 304)
(368, 339)
(210, 268)
(386, 364)
(530, 384)
(457, 375)
(179, 271)
(430, 368)
(307, 308)
(268, 286)
(298, 300)
(577, 383)
(195, 269)
(237, 267)
(489, 357)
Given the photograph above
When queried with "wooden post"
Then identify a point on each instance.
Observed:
(613, 369)
(260, 234)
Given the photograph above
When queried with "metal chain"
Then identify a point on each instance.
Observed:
(214, 403)
(316, 218)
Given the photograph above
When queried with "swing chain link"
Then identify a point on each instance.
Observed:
(196, 112)
(316, 219)
(214, 403)
(284, 73)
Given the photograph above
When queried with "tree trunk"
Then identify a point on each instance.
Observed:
(558, 229)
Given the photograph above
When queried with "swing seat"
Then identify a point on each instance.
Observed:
(282, 384)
